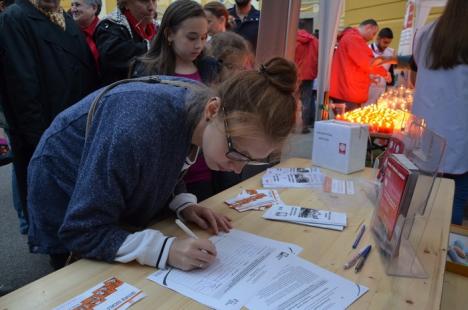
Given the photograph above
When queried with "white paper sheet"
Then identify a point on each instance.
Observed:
(300, 284)
(107, 295)
(305, 215)
(260, 273)
(243, 263)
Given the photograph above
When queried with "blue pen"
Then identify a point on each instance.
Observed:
(362, 259)
(356, 257)
(359, 236)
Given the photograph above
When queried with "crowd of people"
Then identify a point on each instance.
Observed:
(113, 122)
(87, 117)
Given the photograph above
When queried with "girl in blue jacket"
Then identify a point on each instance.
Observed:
(110, 165)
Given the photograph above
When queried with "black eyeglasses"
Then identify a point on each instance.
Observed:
(234, 154)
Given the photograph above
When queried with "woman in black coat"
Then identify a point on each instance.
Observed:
(46, 66)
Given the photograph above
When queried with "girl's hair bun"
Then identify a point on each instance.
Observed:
(281, 73)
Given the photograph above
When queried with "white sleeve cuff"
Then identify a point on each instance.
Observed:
(148, 247)
(182, 201)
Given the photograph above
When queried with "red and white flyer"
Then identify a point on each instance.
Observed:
(254, 199)
(108, 295)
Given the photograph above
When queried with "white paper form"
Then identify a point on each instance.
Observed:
(305, 215)
(300, 284)
(243, 265)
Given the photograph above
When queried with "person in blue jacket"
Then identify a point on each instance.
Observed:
(110, 165)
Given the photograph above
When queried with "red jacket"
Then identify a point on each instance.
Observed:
(351, 68)
(306, 57)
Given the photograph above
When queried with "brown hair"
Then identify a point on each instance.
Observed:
(160, 58)
(449, 45)
(264, 98)
(218, 9)
(225, 45)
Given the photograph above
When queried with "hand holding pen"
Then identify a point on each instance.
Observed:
(191, 253)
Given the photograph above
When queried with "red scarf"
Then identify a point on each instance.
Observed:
(146, 33)
(89, 32)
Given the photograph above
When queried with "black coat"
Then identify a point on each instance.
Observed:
(118, 46)
(44, 70)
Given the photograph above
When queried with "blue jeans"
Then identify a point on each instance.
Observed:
(460, 199)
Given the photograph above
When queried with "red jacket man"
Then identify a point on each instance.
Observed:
(351, 64)
(306, 57)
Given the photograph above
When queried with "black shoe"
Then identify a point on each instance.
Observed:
(305, 130)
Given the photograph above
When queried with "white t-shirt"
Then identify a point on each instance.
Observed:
(378, 88)
(441, 98)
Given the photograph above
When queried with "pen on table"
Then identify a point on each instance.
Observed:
(355, 258)
(359, 236)
(362, 259)
(187, 230)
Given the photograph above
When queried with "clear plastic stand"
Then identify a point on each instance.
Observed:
(400, 254)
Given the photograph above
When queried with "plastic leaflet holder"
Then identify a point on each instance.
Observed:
(407, 192)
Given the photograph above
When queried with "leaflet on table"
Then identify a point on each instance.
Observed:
(338, 186)
(110, 294)
(297, 180)
(243, 262)
(305, 215)
(258, 199)
(299, 284)
(313, 170)
(262, 274)
(332, 227)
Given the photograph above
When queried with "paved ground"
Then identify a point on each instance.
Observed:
(18, 267)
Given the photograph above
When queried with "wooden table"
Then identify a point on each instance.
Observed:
(326, 248)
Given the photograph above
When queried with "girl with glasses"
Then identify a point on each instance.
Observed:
(109, 166)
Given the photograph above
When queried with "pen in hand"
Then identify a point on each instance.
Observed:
(186, 230)
(362, 259)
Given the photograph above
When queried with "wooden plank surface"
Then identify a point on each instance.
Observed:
(326, 248)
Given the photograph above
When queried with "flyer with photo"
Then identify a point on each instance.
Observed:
(293, 178)
(301, 215)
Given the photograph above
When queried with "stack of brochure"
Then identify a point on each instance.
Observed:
(254, 199)
(293, 177)
(307, 216)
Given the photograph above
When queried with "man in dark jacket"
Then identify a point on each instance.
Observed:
(246, 19)
(46, 66)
